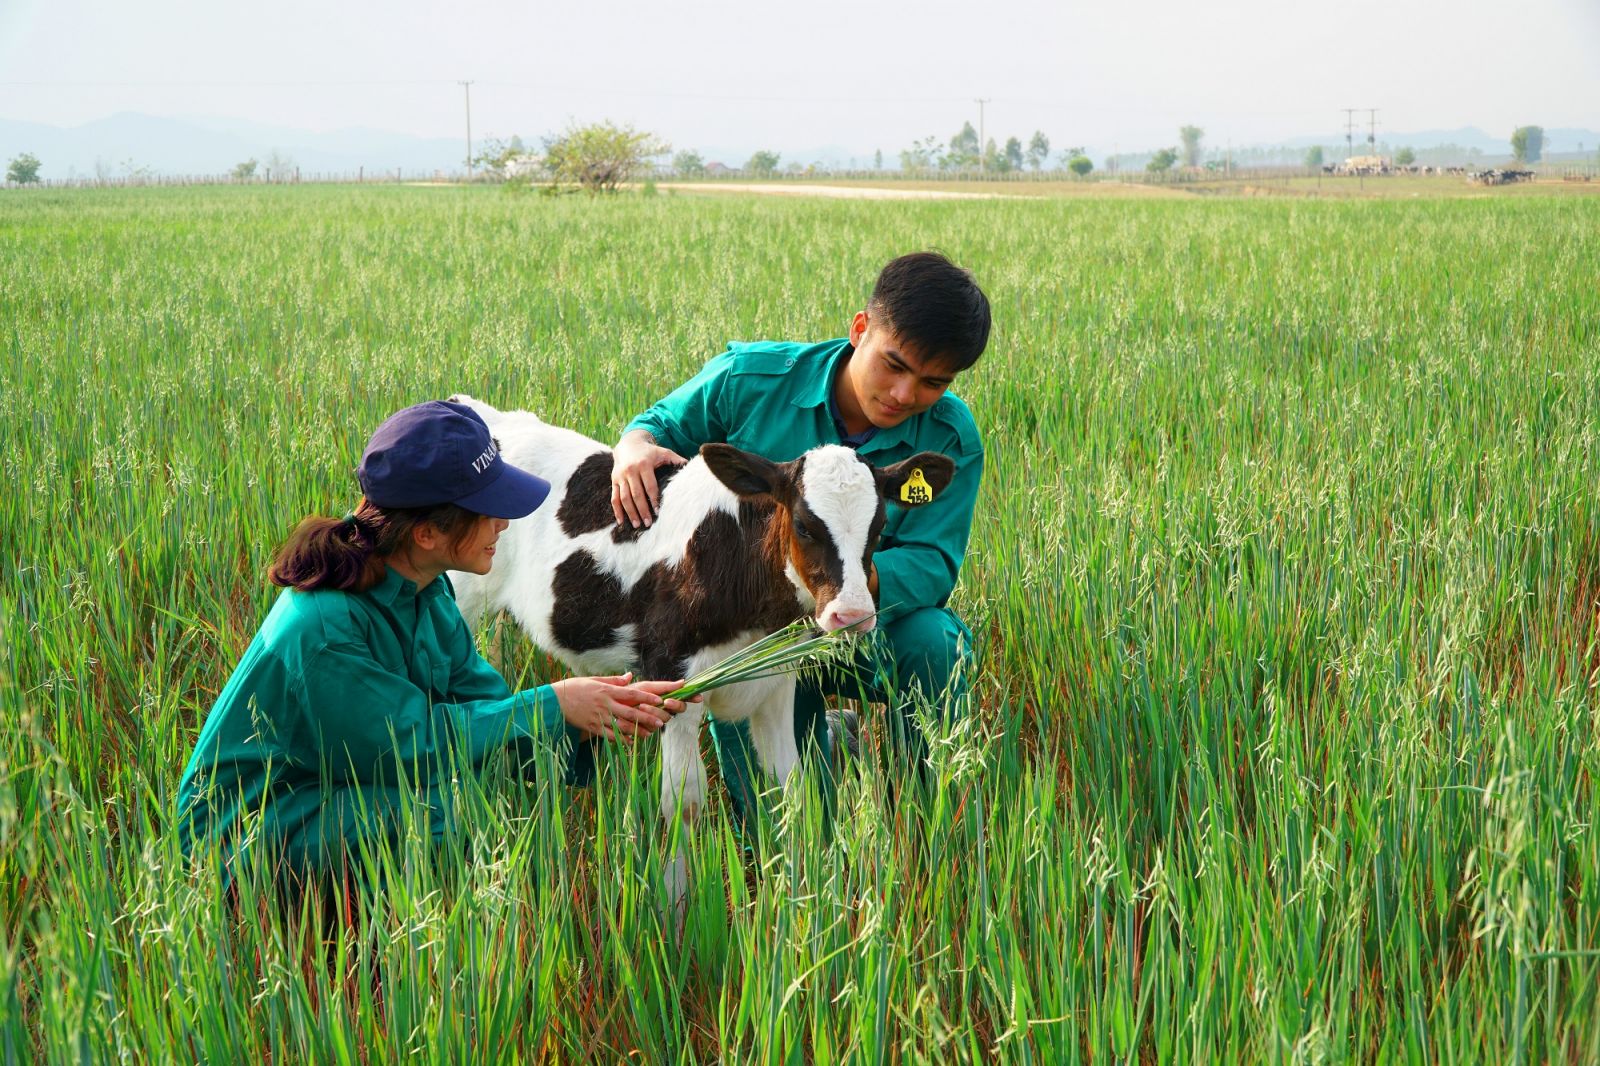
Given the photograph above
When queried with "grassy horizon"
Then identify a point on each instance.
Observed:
(1286, 573)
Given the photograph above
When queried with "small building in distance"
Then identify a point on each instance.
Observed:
(524, 166)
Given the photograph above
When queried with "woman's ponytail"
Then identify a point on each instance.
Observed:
(328, 553)
(351, 553)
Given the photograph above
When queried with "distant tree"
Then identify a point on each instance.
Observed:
(1527, 143)
(689, 164)
(964, 153)
(1191, 135)
(102, 170)
(1314, 156)
(994, 161)
(244, 171)
(497, 157)
(279, 166)
(1162, 161)
(1404, 157)
(134, 171)
(1038, 149)
(23, 169)
(1014, 153)
(1071, 152)
(600, 157)
(763, 163)
(922, 155)
(1080, 165)
(877, 159)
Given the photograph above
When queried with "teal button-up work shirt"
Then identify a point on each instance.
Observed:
(771, 398)
(344, 705)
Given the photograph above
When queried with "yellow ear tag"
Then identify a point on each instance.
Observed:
(916, 489)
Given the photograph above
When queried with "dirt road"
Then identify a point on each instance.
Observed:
(840, 192)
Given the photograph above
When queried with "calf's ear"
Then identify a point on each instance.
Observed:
(744, 472)
(916, 481)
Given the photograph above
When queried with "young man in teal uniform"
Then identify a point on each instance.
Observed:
(884, 392)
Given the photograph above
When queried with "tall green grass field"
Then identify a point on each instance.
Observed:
(1285, 578)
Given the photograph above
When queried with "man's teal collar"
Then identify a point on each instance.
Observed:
(814, 391)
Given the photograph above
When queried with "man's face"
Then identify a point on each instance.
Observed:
(891, 383)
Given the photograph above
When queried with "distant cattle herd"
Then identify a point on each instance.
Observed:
(1373, 167)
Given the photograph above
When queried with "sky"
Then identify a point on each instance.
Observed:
(859, 75)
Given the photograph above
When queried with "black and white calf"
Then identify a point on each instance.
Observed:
(742, 546)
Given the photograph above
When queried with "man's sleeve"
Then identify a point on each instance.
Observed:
(920, 567)
(363, 721)
(694, 413)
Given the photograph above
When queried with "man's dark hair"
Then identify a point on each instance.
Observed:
(934, 307)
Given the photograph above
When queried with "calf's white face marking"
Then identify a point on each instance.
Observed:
(839, 490)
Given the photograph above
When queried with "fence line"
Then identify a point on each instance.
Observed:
(361, 176)
(1175, 176)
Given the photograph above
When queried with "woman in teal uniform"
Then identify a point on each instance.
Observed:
(363, 691)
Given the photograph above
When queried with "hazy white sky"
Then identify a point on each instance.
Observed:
(857, 74)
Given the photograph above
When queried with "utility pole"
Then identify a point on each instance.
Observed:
(983, 161)
(1372, 131)
(1349, 131)
(467, 87)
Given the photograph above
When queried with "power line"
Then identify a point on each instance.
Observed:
(542, 87)
(1350, 130)
(467, 87)
(218, 84)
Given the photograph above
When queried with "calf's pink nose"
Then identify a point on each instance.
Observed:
(836, 620)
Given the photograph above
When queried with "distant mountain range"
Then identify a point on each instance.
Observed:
(213, 146)
(129, 141)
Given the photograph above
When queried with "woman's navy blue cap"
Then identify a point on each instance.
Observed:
(440, 452)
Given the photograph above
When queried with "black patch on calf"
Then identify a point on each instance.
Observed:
(586, 506)
(720, 582)
(874, 531)
(724, 586)
(816, 558)
(589, 604)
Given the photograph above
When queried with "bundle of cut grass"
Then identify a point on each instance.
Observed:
(800, 645)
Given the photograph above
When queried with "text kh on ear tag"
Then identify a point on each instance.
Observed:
(916, 488)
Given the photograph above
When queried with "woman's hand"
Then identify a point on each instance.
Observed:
(635, 496)
(616, 708)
